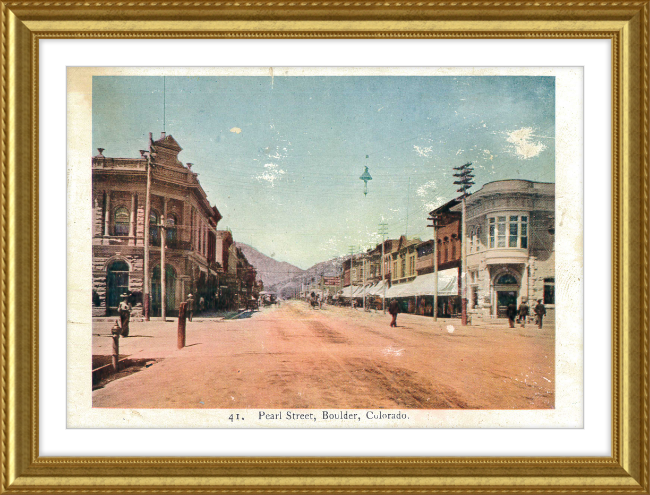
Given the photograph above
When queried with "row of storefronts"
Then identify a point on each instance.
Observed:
(510, 249)
(199, 258)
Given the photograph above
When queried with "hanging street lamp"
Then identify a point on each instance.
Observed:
(365, 177)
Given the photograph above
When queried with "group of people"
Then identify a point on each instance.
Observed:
(513, 312)
(316, 300)
(521, 313)
(191, 306)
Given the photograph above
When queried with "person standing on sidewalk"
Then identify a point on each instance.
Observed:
(190, 306)
(511, 311)
(523, 313)
(393, 309)
(540, 311)
(124, 310)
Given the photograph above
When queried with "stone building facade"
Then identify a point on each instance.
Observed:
(510, 246)
(178, 202)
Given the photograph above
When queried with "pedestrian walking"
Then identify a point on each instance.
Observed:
(511, 311)
(201, 304)
(190, 306)
(124, 310)
(393, 309)
(523, 313)
(540, 311)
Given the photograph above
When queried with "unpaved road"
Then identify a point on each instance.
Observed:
(295, 357)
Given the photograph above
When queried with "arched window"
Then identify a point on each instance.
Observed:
(453, 247)
(154, 230)
(446, 248)
(171, 229)
(507, 279)
(121, 221)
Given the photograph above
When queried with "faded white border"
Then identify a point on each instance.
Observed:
(539, 447)
(568, 256)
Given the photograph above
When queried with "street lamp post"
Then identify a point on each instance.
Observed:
(163, 274)
(146, 303)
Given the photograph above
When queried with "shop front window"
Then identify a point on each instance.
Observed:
(549, 291)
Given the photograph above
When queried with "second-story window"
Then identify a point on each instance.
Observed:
(171, 228)
(509, 231)
(121, 221)
(403, 273)
(154, 236)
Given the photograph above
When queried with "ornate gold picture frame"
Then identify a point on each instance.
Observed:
(24, 23)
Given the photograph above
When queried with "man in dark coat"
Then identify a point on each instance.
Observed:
(523, 313)
(190, 306)
(124, 309)
(511, 311)
(540, 311)
(393, 309)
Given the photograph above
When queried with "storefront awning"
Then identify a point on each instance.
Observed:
(423, 285)
(345, 292)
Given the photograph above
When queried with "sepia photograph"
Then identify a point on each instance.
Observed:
(333, 251)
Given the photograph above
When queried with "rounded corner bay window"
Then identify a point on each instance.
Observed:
(508, 231)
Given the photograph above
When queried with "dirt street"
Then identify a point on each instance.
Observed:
(296, 357)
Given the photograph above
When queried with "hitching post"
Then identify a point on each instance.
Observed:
(116, 330)
(181, 324)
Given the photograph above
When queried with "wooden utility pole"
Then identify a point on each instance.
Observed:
(435, 224)
(146, 301)
(383, 230)
(464, 175)
(163, 242)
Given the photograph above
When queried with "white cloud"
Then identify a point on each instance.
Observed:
(271, 174)
(423, 151)
(432, 205)
(427, 192)
(425, 189)
(459, 152)
(236, 130)
(522, 144)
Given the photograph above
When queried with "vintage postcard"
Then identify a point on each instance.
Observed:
(325, 248)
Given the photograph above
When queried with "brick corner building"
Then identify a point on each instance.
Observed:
(179, 202)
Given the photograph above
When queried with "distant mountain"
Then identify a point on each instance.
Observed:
(270, 271)
(292, 285)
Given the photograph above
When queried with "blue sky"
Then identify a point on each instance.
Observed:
(281, 157)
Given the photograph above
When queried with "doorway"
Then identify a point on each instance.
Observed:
(117, 283)
(504, 298)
